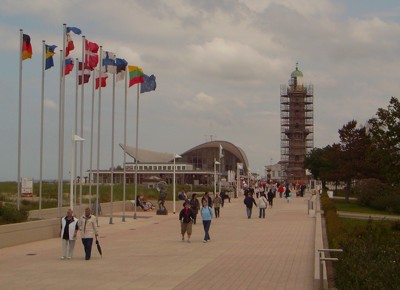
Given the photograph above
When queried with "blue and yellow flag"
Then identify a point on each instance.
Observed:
(49, 55)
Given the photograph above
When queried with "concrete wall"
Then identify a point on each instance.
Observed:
(21, 233)
(48, 226)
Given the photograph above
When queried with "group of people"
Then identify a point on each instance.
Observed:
(191, 208)
(69, 227)
(267, 199)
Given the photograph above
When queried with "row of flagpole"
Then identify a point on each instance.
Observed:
(136, 76)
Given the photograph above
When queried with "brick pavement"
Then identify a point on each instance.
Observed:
(147, 253)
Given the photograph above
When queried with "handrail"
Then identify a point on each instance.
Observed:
(322, 260)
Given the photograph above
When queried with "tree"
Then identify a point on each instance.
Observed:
(356, 160)
(384, 131)
(323, 163)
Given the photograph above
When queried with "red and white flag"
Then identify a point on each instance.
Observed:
(100, 78)
(91, 56)
(86, 74)
(70, 45)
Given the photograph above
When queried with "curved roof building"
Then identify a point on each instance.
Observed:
(202, 156)
(194, 166)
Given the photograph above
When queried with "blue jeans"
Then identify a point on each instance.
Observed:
(248, 211)
(262, 213)
(206, 225)
(87, 245)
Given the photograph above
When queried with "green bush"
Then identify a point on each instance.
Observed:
(375, 194)
(9, 214)
(390, 203)
(370, 259)
(334, 226)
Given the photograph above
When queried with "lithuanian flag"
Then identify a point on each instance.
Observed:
(135, 75)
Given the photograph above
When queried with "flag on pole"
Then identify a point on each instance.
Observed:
(69, 65)
(121, 68)
(101, 77)
(75, 30)
(149, 84)
(86, 74)
(91, 56)
(221, 154)
(70, 44)
(26, 47)
(108, 63)
(49, 55)
(135, 75)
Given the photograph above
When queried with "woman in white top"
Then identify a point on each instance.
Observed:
(262, 205)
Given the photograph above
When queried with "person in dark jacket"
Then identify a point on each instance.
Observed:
(208, 198)
(195, 206)
(249, 201)
(270, 196)
(186, 216)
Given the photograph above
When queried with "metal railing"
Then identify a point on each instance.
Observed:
(321, 263)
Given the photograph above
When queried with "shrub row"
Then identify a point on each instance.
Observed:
(378, 195)
(371, 256)
(9, 214)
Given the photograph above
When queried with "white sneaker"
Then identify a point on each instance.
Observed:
(204, 241)
(62, 258)
(69, 258)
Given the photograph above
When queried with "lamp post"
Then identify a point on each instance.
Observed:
(75, 138)
(174, 190)
(215, 175)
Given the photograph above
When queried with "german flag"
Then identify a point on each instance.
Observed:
(26, 47)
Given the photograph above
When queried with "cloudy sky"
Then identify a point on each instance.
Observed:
(219, 66)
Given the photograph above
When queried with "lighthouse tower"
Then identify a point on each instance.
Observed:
(297, 126)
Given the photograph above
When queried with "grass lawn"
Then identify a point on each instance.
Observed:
(353, 206)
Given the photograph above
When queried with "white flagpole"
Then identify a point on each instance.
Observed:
(91, 141)
(125, 110)
(136, 153)
(19, 119)
(59, 135)
(75, 125)
(174, 181)
(82, 115)
(219, 169)
(63, 120)
(41, 128)
(112, 150)
(98, 139)
(61, 129)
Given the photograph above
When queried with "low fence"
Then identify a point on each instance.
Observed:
(48, 225)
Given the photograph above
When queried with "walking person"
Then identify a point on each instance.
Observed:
(281, 190)
(68, 231)
(207, 197)
(88, 230)
(270, 197)
(287, 194)
(195, 206)
(249, 201)
(222, 194)
(217, 204)
(262, 205)
(186, 216)
(206, 215)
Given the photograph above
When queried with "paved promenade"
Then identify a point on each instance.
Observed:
(147, 253)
